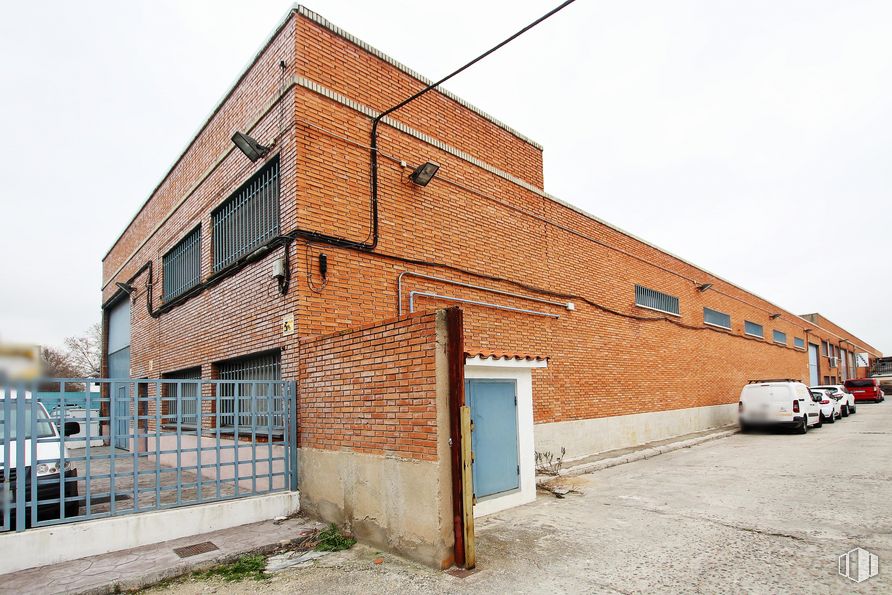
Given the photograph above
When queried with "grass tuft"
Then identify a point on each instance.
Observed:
(249, 566)
(332, 540)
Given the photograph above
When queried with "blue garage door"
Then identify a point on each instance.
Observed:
(493, 406)
(119, 368)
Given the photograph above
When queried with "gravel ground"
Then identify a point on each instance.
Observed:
(758, 513)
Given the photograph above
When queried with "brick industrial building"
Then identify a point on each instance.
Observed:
(287, 268)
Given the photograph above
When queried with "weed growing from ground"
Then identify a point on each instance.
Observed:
(332, 540)
(250, 566)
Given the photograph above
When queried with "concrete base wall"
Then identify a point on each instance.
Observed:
(390, 503)
(62, 543)
(588, 436)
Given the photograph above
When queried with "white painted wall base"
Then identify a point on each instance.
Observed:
(62, 543)
(585, 437)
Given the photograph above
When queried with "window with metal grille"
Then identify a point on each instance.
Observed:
(248, 219)
(716, 318)
(181, 400)
(753, 329)
(656, 300)
(779, 337)
(248, 402)
(799, 343)
(182, 265)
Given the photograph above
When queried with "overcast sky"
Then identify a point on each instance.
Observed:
(752, 138)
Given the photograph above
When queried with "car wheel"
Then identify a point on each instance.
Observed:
(852, 410)
(820, 421)
(803, 429)
(830, 420)
(844, 411)
(744, 428)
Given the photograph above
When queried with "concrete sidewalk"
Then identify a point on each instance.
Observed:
(143, 566)
(612, 458)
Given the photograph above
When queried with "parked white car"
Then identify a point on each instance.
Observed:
(778, 403)
(51, 472)
(830, 407)
(845, 398)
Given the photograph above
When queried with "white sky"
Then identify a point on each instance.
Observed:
(752, 138)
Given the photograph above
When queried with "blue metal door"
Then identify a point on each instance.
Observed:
(493, 406)
(813, 365)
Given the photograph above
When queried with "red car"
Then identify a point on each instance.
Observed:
(865, 389)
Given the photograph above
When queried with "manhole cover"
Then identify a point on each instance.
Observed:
(194, 550)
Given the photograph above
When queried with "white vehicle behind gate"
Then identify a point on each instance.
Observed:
(778, 403)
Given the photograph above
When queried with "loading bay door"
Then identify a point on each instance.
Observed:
(813, 365)
(493, 405)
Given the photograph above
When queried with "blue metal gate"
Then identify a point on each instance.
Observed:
(60, 457)
(493, 406)
(120, 414)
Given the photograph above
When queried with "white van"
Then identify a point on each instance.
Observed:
(778, 403)
(48, 447)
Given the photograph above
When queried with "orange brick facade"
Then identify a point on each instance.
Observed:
(372, 390)
(484, 221)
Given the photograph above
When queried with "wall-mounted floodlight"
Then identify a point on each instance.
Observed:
(808, 330)
(704, 287)
(126, 288)
(250, 147)
(774, 316)
(423, 174)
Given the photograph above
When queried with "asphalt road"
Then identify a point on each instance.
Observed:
(756, 513)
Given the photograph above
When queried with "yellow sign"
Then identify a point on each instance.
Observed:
(20, 362)
(288, 324)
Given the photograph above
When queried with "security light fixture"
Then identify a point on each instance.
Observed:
(423, 174)
(704, 287)
(125, 287)
(808, 330)
(774, 316)
(250, 147)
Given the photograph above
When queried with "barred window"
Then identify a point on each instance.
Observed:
(248, 219)
(656, 300)
(780, 337)
(753, 329)
(799, 342)
(181, 400)
(250, 396)
(716, 318)
(182, 265)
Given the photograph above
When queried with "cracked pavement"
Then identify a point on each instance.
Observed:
(755, 513)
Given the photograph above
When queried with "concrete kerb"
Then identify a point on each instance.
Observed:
(644, 453)
(149, 565)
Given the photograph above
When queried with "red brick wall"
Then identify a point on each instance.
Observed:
(371, 390)
(242, 314)
(608, 357)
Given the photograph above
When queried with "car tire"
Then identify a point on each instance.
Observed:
(831, 419)
(803, 429)
(852, 410)
(820, 421)
(745, 428)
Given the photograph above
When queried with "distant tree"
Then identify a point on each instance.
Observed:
(84, 352)
(57, 364)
